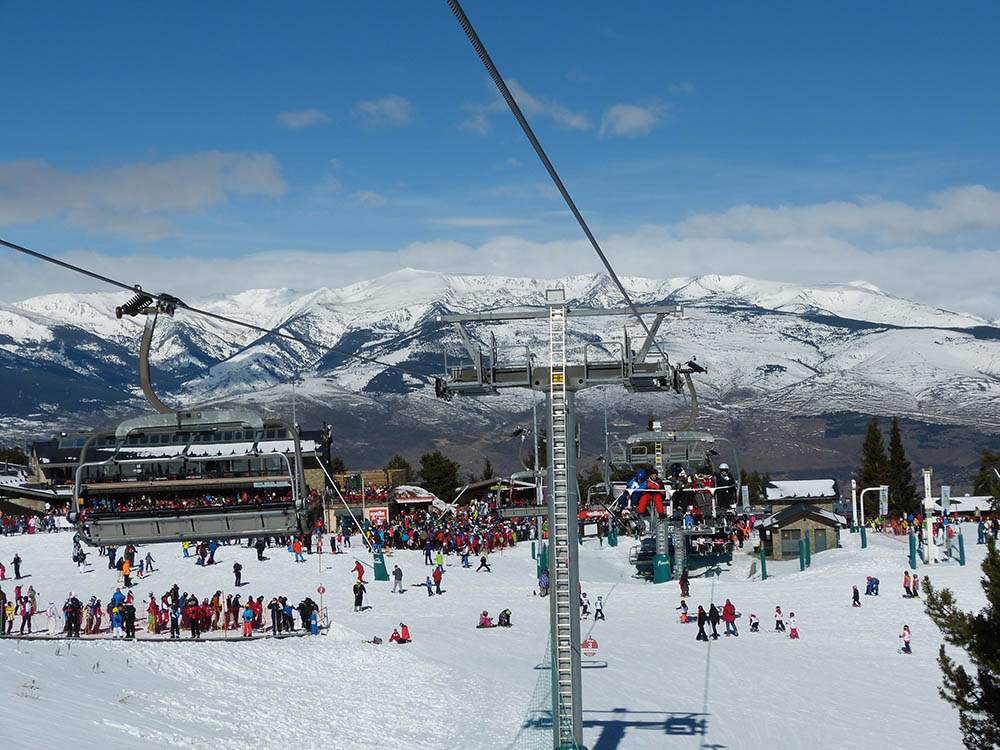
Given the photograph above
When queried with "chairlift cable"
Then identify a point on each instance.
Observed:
(470, 32)
(171, 300)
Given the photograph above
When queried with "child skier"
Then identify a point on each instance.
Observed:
(754, 623)
(856, 601)
(599, 610)
(906, 639)
(906, 585)
(584, 606)
(684, 611)
(794, 626)
(248, 620)
(915, 586)
(779, 620)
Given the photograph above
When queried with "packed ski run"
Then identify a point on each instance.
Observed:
(651, 683)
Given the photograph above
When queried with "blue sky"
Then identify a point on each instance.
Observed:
(339, 142)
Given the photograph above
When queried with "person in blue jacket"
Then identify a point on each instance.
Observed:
(634, 489)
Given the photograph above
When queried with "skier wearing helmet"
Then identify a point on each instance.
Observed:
(725, 483)
(634, 489)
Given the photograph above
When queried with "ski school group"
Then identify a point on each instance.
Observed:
(728, 615)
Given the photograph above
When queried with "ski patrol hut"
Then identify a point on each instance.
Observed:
(781, 532)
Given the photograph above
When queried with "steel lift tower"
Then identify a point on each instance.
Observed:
(560, 381)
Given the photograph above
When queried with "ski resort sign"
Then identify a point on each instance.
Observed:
(589, 647)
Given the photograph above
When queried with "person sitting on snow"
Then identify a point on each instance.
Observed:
(504, 619)
(754, 623)
(485, 621)
(394, 638)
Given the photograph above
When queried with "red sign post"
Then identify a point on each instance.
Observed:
(321, 590)
(589, 647)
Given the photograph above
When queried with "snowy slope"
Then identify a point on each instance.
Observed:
(841, 686)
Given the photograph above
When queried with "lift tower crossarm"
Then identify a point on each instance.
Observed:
(578, 312)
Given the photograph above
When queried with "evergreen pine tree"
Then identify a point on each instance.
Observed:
(440, 474)
(975, 695)
(872, 472)
(593, 476)
(753, 482)
(14, 455)
(899, 475)
(985, 481)
(398, 462)
(337, 465)
(487, 469)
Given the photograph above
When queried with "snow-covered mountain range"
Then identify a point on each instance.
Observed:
(769, 347)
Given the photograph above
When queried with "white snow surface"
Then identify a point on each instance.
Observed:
(780, 489)
(843, 685)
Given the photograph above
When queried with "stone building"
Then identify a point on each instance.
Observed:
(781, 532)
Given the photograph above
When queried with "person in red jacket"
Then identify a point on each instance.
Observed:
(404, 633)
(729, 617)
(360, 570)
(194, 619)
(394, 638)
(436, 575)
(653, 493)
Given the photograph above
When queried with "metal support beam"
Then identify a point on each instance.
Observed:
(581, 312)
(564, 601)
(644, 349)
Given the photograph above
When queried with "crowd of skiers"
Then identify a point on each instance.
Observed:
(178, 501)
(11, 524)
(172, 612)
(465, 531)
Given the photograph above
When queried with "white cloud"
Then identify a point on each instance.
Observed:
(684, 87)
(134, 200)
(302, 118)
(368, 196)
(632, 119)
(955, 279)
(532, 106)
(959, 209)
(389, 110)
(480, 221)
(478, 124)
(540, 106)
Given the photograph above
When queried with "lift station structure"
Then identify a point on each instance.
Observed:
(560, 381)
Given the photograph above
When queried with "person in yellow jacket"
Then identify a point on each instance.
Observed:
(9, 616)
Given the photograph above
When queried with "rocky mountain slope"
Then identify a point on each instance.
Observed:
(776, 352)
